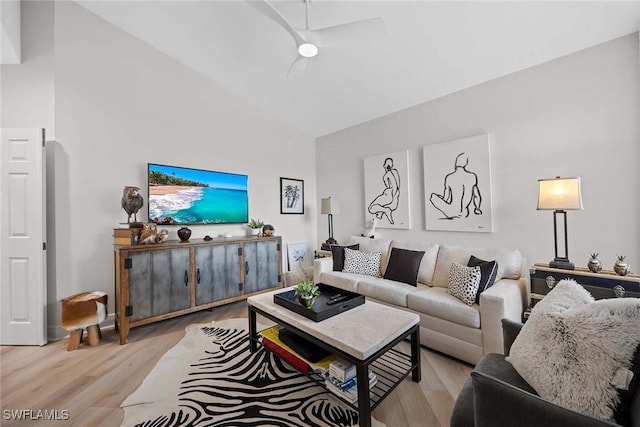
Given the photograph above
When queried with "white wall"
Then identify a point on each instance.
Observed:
(575, 116)
(120, 104)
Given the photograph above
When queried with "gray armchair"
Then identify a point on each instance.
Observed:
(496, 396)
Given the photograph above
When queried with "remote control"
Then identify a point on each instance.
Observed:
(336, 300)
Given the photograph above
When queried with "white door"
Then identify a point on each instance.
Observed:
(22, 244)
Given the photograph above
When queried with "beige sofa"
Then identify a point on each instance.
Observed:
(446, 323)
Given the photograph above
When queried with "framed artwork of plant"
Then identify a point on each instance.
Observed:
(291, 196)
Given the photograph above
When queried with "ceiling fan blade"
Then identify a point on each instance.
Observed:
(351, 32)
(270, 12)
(298, 66)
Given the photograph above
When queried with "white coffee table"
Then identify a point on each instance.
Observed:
(364, 335)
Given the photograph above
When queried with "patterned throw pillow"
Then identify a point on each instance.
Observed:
(488, 270)
(464, 282)
(337, 253)
(361, 262)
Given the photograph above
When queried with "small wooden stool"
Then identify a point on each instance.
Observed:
(84, 310)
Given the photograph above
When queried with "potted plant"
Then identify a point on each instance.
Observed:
(255, 225)
(307, 292)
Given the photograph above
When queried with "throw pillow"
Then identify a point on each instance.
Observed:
(338, 255)
(403, 266)
(361, 262)
(574, 351)
(488, 270)
(464, 282)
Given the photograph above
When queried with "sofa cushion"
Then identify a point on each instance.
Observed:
(509, 261)
(385, 290)
(367, 263)
(403, 266)
(574, 351)
(428, 263)
(488, 271)
(464, 282)
(346, 281)
(438, 303)
(373, 245)
(337, 253)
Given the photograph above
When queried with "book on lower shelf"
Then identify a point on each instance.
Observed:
(291, 358)
(271, 340)
(348, 390)
(342, 370)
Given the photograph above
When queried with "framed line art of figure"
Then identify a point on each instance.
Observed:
(457, 182)
(291, 196)
(386, 189)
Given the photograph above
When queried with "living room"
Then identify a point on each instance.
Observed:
(111, 104)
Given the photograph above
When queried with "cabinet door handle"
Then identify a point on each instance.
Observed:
(246, 267)
(186, 277)
(198, 276)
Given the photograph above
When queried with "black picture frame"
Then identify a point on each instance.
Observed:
(291, 196)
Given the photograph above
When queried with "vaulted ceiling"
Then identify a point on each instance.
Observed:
(429, 49)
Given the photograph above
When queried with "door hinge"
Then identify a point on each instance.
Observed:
(279, 278)
(128, 311)
(44, 246)
(240, 286)
(278, 248)
(44, 133)
(239, 251)
(128, 263)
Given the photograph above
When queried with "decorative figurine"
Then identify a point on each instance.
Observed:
(621, 267)
(149, 234)
(594, 263)
(131, 202)
(162, 235)
(268, 230)
(371, 232)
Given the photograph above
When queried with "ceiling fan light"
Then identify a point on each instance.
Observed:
(308, 50)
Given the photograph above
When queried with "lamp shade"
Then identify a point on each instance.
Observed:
(329, 206)
(559, 194)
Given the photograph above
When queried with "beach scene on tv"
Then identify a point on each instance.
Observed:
(192, 196)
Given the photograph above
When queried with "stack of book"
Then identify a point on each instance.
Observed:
(341, 380)
(270, 338)
(126, 236)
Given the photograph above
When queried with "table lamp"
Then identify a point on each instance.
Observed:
(559, 195)
(329, 207)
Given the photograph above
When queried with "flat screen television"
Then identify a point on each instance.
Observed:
(180, 195)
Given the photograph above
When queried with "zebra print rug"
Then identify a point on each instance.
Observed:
(211, 379)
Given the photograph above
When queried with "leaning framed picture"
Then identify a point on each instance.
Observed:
(291, 196)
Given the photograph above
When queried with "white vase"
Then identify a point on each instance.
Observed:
(255, 231)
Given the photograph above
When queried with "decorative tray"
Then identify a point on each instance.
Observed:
(330, 302)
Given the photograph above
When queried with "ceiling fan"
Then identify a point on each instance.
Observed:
(309, 42)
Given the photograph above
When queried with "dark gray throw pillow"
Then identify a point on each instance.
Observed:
(488, 270)
(338, 255)
(403, 266)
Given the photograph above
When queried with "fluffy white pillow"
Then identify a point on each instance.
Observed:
(359, 262)
(464, 282)
(573, 350)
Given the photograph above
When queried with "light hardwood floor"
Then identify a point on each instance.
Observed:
(91, 382)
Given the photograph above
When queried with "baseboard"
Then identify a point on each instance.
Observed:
(57, 333)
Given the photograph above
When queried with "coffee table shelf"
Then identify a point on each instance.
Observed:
(368, 345)
(391, 369)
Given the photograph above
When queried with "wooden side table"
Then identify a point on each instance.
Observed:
(606, 284)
